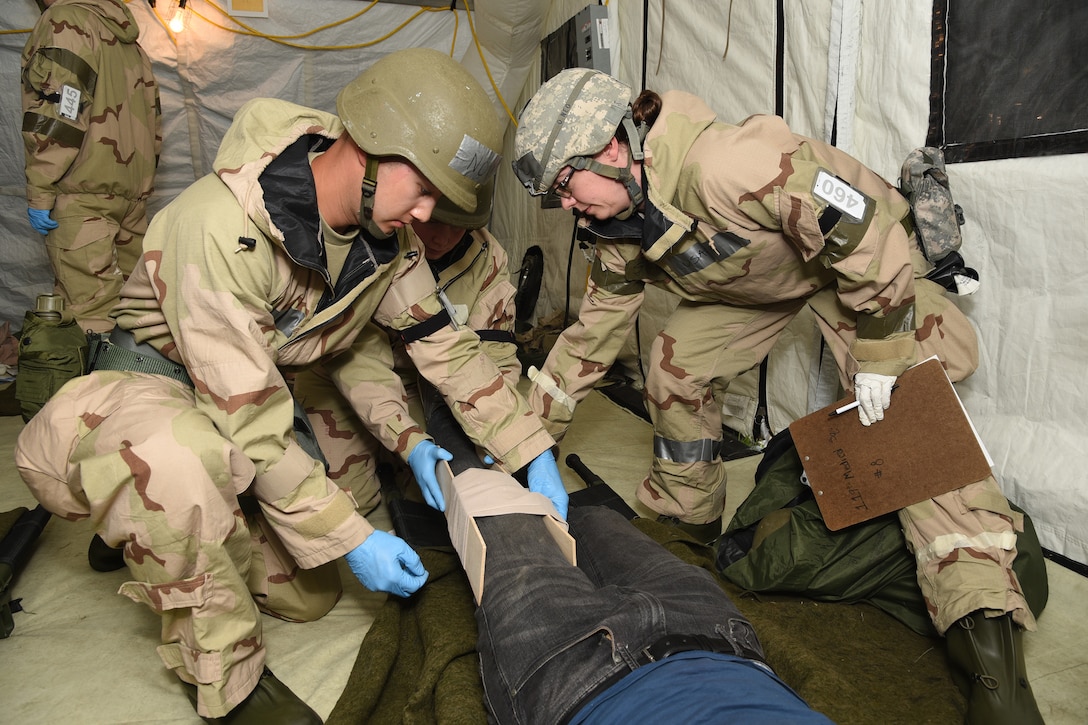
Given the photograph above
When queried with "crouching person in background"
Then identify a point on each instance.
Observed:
(472, 273)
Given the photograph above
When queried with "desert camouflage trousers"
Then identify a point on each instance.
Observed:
(704, 346)
(154, 475)
(92, 251)
(965, 542)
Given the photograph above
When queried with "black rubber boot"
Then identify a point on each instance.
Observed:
(103, 557)
(987, 660)
(270, 703)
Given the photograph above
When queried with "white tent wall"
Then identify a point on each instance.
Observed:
(1026, 220)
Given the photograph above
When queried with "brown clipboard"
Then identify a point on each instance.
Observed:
(925, 446)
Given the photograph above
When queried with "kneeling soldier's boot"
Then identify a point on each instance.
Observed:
(270, 703)
(987, 661)
(103, 557)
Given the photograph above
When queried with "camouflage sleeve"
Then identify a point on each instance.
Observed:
(586, 350)
(218, 311)
(366, 378)
(868, 250)
(832, 208)
(493, 310)
(53, 125)
(494, 415)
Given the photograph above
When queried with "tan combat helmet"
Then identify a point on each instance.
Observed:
(569, 120)
(422, 105)
(446, 212)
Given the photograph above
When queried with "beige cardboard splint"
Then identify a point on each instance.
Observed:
(480, 492)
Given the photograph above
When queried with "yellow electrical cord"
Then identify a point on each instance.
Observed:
(476, 40)
(283, 39)
(254, 32)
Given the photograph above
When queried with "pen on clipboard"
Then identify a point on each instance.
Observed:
(850, 406)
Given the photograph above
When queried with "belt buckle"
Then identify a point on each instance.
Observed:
(671, 644)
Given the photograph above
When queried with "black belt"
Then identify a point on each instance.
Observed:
(672, 644)
(120, 351)
(663, 648)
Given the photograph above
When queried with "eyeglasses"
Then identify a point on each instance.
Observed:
(561, 189)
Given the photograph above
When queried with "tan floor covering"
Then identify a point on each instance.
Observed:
(80, 653)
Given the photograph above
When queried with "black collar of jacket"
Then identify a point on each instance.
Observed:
(629, 229)
(290, 197)
(647, 225)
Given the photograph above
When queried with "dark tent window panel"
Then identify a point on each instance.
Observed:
(1009, 78)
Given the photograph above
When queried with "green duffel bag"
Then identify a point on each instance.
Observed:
(778, 542)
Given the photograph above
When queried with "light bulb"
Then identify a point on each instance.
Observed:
(177, 23)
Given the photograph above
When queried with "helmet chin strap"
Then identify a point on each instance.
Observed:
(366, 209)
(635, 134)
(622, 175)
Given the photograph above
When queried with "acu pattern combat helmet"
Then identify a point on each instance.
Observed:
(569, 120)
(422, 105)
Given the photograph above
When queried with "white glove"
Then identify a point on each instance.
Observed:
(874, 395)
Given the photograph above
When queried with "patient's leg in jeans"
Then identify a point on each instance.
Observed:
(614, 553)
(546, 633)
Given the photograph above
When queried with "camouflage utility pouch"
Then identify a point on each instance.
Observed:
(52, 351)
(936, 219)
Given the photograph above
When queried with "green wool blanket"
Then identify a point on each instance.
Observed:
(852, 662)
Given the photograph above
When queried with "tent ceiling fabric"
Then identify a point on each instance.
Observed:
(1025, 217)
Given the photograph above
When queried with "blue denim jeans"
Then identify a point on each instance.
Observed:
(551, 634)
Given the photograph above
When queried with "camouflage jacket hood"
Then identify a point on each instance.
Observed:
(667, 144)
(112, 12)
(270, 136)
(264, 161)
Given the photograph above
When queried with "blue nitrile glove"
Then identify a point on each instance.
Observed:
(385, 563)
(423, 458)
(874, 394)
(40, 219)
(544, 478)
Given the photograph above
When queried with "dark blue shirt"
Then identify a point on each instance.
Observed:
(699, 687)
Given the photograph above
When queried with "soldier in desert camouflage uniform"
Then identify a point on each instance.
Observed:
(471, 269)
(181, 445)
(91, 130)
(747, 224)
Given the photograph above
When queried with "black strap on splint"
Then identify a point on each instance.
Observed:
(496, 335)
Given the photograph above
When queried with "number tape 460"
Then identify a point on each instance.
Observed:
(840, 195)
